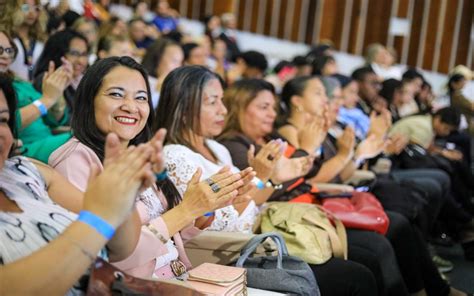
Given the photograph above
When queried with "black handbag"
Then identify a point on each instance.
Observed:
(282, 273)
(416, 157)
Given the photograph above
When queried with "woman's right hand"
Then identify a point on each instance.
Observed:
(312, 135)
(346, 142)
(200, 197)
(111, 194)
(266, 159)
(55, 82)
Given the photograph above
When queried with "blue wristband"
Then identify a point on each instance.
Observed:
(162, 176)
(259, 183)
(209, 214)
(41, 107)
(99, 224)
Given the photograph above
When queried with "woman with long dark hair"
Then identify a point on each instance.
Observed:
(192, 110)
(114, 96)
(65, 47)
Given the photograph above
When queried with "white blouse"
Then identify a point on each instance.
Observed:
(182, 163)
(18, 66)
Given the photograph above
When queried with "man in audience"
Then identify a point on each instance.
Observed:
(166, 19)
(369, 87)
(250, 64)
(141, 34)
(422, 129)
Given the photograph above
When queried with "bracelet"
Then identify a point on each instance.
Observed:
(162, 176)
(259, 183)
(156, 233)
(41, 107)
(270, 184)
(96, 222)
(84, 251)
(358, 162)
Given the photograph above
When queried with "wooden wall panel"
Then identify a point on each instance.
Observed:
(378, 21)
(448, 34)
(296, 20)
(255, 16)
(241, 13)
(354, 24)
(402, 12)
(268, 17)
(467, 19)
(221, 7)
(313, 4)
(415, 34)
(281, 19)
(431, 34)
(261, 16)
(332, 22)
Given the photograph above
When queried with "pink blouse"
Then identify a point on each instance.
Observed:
(73, 160)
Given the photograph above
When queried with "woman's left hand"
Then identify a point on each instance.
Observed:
(291, 168)
(247, 176)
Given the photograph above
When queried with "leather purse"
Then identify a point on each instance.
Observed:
(361, 211)
(107, 280)
(214, 279)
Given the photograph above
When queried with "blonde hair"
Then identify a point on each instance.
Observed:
(372, 51)
(9, 10)
(82, 20)
(36, 31)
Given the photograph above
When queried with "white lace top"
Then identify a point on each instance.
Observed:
(182, 163)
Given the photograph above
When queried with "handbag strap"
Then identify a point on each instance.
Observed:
(254, 242)
(338, 237)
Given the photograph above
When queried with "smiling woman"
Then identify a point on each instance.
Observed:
(113, 97)
(64, 48)
(121, 104)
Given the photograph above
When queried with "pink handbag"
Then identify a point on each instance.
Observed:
(214, 279)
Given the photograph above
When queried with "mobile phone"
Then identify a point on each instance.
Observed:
(332, 194)
(362, 188)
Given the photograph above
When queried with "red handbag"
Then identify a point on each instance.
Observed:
(361, 211)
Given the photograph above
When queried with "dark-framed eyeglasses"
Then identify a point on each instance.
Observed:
(77, 54)
(10, 51)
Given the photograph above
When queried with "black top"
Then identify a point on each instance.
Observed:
(240, 144)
